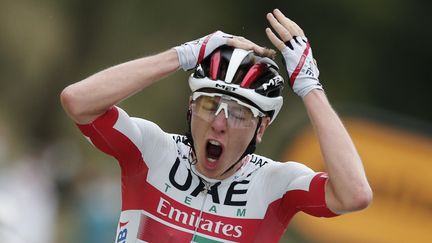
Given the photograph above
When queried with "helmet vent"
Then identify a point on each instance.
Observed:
(215, 64)
(254, 72)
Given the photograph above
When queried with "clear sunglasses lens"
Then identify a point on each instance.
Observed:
(239, 116)
(205, 107)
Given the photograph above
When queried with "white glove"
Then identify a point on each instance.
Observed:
(301, 66)
(191, 53)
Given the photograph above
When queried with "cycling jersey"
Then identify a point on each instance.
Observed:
(165, 199)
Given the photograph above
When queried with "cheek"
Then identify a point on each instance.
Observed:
(241, 139)
(198, 130)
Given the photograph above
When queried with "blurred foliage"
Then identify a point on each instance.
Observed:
(370, 53)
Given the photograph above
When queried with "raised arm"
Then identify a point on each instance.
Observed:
(85, 100)
(347, 188)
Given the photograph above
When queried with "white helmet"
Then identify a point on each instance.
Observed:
(241, 74)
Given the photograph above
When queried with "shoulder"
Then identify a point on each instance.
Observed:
(145, 124)
(268, 164)
(276, 171)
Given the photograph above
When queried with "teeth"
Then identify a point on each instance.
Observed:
(211, 160)
(213, 142)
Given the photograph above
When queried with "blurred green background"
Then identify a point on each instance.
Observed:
(373, 56)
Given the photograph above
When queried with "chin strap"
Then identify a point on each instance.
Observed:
(189, 140)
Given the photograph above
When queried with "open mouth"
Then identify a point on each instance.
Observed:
(214, 150)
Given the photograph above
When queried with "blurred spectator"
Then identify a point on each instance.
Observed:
(98, 206)
(28, 203)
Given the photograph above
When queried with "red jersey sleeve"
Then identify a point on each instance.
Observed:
(100, 131)
(307, 194)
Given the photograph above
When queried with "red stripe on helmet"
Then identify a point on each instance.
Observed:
(203, 47)
(300, 64)
(252, 74)
(214, 64)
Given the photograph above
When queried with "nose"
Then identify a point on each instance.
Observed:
(219, 123)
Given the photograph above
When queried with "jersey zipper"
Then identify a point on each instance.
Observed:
(197, 225)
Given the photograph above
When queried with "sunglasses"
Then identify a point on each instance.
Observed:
(238, 114)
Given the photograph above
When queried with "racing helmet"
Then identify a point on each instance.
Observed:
(241, 74)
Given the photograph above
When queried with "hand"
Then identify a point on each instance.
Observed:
(193, 52)
(296, 51)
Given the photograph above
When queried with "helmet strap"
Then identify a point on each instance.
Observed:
(189, 139)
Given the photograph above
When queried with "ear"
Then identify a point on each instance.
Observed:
(189, 112)
(260, 133)
(190, 101)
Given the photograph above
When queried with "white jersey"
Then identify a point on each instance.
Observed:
(164, 198)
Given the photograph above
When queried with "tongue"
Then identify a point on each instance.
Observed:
(213, 151)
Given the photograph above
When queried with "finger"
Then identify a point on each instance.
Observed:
(300, 30)
(278, 43)
(246, 44)
(237, 42)
(242, 43)
(290, 25)
(279, 28)
(256, 48)
(260, 50)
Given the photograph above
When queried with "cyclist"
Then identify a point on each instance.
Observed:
(209, 185)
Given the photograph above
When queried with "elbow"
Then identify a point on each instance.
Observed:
(363, 199)
(70, 101)
(360, 199)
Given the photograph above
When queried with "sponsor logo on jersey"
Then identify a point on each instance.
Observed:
(258, 161)
(236, 191)
(122, 234)
(191, 219)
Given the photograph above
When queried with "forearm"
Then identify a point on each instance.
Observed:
(347, 187)
(91, 97)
